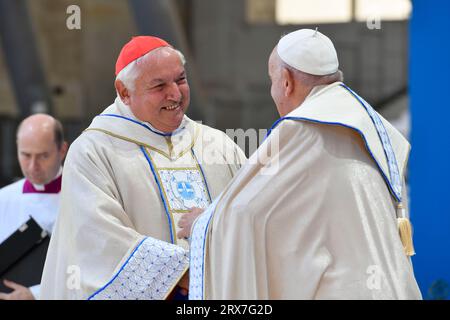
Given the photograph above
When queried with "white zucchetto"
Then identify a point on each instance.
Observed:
(309, 51)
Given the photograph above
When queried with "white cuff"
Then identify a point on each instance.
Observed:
(35, 291)
(197, 253)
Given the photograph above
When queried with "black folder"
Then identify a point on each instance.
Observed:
(22, 255)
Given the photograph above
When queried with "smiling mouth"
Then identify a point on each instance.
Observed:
(172, 107)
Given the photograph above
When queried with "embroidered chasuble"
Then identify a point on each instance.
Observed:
(317, 219)
(124, 189)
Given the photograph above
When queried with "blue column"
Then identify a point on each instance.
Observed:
(430, 139)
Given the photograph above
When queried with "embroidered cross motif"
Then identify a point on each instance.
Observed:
(184, 189)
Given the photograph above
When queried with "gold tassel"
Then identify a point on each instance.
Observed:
(405, 230)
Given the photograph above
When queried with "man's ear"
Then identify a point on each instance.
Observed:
(122, 91)
(288, 82)
(63, 150)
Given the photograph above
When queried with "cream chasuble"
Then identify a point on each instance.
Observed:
(125, 186)
(312, 214)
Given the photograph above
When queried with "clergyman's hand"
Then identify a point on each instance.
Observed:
(19, 292)
(184, 284)
(186, 221)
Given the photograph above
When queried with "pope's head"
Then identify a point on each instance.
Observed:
(151, 80)
(40, 148)
(300, 61)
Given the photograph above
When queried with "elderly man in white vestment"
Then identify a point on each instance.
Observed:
(128, 179)
(41, 150)
(320, 210)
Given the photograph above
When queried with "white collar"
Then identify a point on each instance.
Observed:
(41, 187)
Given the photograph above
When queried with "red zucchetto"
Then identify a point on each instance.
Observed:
(136, 48)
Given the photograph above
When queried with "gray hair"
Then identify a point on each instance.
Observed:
(129, 74)
(312, 80)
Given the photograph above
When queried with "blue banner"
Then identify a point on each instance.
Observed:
(430, 138)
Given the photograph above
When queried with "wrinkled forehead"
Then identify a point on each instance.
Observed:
(38, 140)
(160, 55)
(161, 62)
